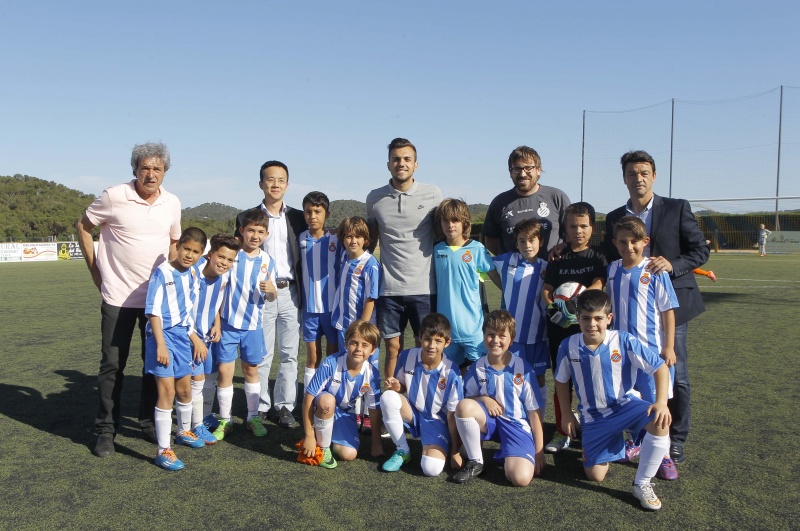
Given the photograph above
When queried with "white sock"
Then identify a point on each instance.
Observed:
(163, 422)
(225, 399)
(323, 429)
(653, 450)
(307, 375)
(197, 402)
(184, 416)
(209, 389)
(470, 433)
(251, 394)
(543, 408)
(358, 409)
(431, 466)
(390, 407)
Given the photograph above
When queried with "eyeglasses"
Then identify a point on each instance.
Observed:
(273, 180)
(517, 170)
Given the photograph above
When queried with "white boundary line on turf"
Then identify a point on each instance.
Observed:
(740, 287)
(760, 280)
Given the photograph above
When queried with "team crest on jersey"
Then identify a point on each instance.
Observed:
(645, 278)
(332, 247)
(518, 379)
(467, 256)
(543, 210)
(263, 268)
(616, 356)
(358, 270)
(364, 388)
(442, 384)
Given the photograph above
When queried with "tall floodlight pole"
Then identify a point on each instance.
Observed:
(671, 144)
(583, 151)
(778, 175)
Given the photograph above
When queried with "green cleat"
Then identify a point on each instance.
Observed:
(327, 459)
(224, 428)
(255, 427)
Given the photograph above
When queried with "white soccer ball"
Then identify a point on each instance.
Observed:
(568, 292)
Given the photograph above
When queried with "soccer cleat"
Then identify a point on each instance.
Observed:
(366, 424)
(188, 438)
(255, 427)
(203, 434)
(646, 496)
(667, 470)
(557, 443)
(327, 459)
(471, 469)
(631, 452)
(167, 460)
(398, 459)
(359, 421)
(223, 428)
(676, 453)
(211, 422)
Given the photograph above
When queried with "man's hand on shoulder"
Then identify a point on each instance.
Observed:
(659, 264)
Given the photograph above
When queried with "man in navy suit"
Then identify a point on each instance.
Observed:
(676, 246)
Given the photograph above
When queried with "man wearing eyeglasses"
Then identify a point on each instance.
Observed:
(281, 316)
(528, 199)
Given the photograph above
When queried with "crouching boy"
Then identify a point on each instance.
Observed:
(603, 365)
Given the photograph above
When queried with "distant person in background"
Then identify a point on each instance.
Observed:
(281, 316)
(763, 233)
(528, 199)
(140, 222)
(400, 217)
(676, 246)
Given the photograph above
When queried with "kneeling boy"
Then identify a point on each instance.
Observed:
(423, 395)
(603, 365)
(329, 404)
(503, 405)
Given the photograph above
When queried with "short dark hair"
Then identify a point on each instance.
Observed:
(501, 321)
(317, 199)
(435, 324)
(193, 234)
(269, 164)
(637, 156)
(524, 153)
(581, 208)
(594, 300)
(398, 143)
(633, 225)
(255, 216)
(528, 228)
(218, 241)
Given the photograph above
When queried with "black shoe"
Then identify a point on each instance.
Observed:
(470, 470)
(264, 416)
(149, 434)
(286, 419)
(676, 453)
(104, 447)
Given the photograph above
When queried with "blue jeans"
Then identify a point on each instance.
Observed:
(281, 318)
(679, 403)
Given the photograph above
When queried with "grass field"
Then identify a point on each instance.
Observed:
(741, 469)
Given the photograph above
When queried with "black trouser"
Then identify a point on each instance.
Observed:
(117, 326)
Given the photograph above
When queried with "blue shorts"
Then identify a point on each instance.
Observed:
(253, 349)
(465, 352)
(646, 385)
(316, 325)
(536, 354)
(514, 435)
(429, 430)
(205, 367)
(395, 312)
(602, 438)
(180, 353)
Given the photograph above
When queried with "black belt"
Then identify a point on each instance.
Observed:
(281, 284)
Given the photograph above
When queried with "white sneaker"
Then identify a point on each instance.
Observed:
(646, 496)
(558, 443)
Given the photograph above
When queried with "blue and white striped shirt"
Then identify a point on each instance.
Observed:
(522, 295)
(511, 387)
(243, 299)
(320, 258)
(434, 392)
(333, 377)
(358, 281)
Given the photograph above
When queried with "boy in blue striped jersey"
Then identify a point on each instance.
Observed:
(171, 343)
(320, 254)
(503, 404)
(422, 398)
(250, 285)
(212, 275)
(603, 365)
(330, 401)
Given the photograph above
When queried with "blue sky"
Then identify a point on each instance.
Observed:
(324, 86)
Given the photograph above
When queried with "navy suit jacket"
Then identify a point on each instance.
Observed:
(675, 235)
(295, 224)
